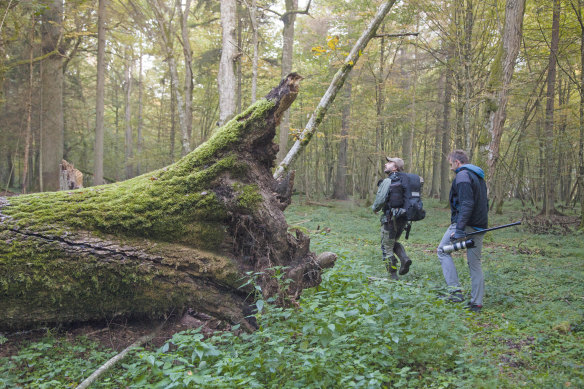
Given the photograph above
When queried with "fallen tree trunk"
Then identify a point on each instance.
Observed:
(185, 236)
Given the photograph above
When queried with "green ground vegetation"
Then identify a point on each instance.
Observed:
(352, 331)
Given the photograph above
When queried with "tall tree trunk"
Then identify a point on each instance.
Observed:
(468, 88)
(167, 33)
(289, 20)
(340, 190)
(437, 149)
(380, 106)
(188, 54)
(52, 95)
(226, 80)
(444, 165)
(255, 44)
(581, 122)
(129, 149)
(501, 75)
(549, 161)
(408, 135)
(99, 96)
(28, 136)
(140, 140)
(580, 170)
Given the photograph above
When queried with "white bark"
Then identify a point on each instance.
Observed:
(226, 81)
(334, 87)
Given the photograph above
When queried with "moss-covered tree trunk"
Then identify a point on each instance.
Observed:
(185, 236)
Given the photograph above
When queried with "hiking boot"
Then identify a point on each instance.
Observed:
(474, 307)
(393, 275)
(399, 250)
(456, 297)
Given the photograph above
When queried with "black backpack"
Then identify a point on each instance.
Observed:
(405, 191)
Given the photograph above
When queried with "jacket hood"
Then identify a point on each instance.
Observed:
(473, 168)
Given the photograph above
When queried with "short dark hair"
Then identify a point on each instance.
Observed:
(458, 155)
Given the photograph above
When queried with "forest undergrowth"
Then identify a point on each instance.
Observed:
(358, 329)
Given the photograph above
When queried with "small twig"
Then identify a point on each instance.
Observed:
(396, 35)
(106, 366)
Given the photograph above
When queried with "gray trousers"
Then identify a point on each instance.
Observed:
(473, 257)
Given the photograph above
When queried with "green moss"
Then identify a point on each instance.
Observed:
(170, 203)
(249, 198)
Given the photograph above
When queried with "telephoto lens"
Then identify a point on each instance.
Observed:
(463, 244)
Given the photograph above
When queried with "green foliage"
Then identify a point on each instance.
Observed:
(52, 363)
(354, 331)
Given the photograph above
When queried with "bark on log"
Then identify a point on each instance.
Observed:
(185, 236)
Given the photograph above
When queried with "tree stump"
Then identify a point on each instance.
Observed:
(185, 236)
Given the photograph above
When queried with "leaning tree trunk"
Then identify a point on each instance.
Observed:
(185, 236)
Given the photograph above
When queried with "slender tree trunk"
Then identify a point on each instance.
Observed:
(380, 105)
(549, 179)
(335, 85)
(444, 165)
(172, 124)
(99, 96)
(437, 149)
(255, 44)
(140, 117)
(188, 54)
(340, 190)
(226, 79)
(167, 38)
(52, 95)
(28, 135)
(468, 88)
(287, 53)
(501, 75)
(129, 150)
(408, 135)
(581, 122)
(580, 170)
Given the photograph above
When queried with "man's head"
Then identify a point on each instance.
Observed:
(393, 165)
(457, 158)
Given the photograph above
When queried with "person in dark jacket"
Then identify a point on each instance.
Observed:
(469, 209)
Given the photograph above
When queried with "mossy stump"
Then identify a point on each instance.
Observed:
(183, 237)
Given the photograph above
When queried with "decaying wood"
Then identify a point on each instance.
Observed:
(185, 236)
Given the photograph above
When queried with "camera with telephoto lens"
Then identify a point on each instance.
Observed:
(463, 244)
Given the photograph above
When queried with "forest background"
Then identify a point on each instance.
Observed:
(502, 80)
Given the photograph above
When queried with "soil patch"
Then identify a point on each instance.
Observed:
(117, 335)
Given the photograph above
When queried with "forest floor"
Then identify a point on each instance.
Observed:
(357, 329)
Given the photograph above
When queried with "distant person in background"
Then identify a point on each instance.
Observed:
(393, 222)
(469, 209)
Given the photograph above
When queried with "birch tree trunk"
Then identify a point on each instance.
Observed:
(335, 85)
(226, 80)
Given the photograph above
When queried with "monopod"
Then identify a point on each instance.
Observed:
(467, 243)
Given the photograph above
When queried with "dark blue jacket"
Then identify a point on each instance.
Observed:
(469, 205)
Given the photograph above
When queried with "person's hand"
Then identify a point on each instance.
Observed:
(457, 234)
